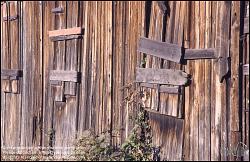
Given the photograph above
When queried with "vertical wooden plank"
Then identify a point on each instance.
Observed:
(5, 52)
(32, 85)
(234, 81)
(195, 76)
(48, 55)
(83, 89)
(59, 49)
(213, 36)
(187, 90)
(207, 77)
(14, 47)
(201, 83)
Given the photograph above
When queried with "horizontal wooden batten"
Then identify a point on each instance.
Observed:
(56, 82)
(163, 88)
(246, 69)
(161, 76)
(191, 54)
(65, 37)
(164, 50)
(246, 25)
(64, 32)
(11, 74)
(10, 18)
(57, 10)
(68, 76)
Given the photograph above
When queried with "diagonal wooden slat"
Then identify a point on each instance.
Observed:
(160, 49)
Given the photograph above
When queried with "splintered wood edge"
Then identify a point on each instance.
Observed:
(64, 32)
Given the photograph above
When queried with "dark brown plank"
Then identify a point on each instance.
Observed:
(192, 54)
(65, 37)
(164, 50)
(246, 69)
(161, 76)
(60, 75)
(57, 10)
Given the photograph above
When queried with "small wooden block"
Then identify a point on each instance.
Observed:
(63, 32)
(164, 50)
(161, 76)
(56, 82)
(191, 54)
(60, 75)
(11, 18)
(246, 69)
(57, 10)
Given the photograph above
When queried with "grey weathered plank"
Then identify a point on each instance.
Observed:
(246, 69)
(60, 75)
(57, 10)
(161, 76)
(164, 50)
(56, 82)
(163, 88)
(65, 37)
(11, 74)
(246, 25)
(209, 53)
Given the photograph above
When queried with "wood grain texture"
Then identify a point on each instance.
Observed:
(161, 76)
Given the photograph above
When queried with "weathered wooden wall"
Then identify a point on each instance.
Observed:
(199, 123)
